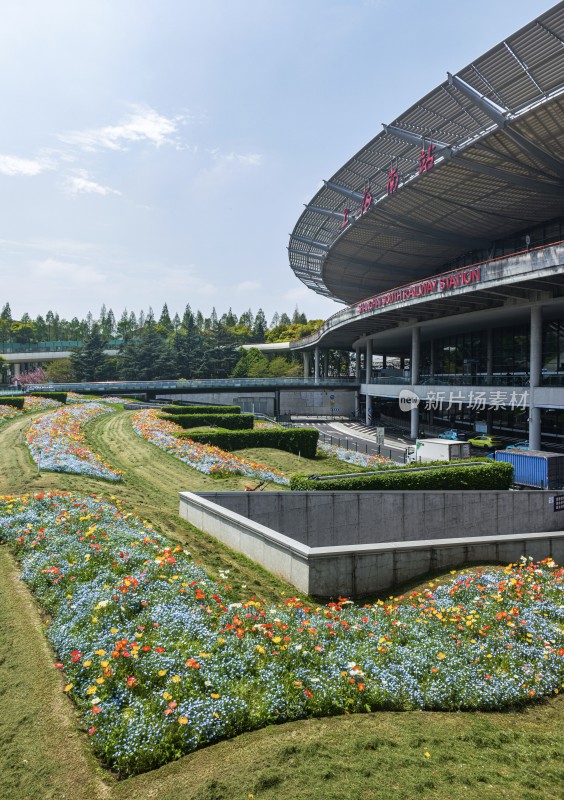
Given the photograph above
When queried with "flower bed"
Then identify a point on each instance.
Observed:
(351, 457)
(32, 404)
(9, 412)
(205, 458)
(74, 397)
(56, 442)
(161, 660)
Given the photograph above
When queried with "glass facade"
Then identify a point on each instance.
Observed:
(464, 356)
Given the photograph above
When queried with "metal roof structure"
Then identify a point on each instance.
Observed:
(480, 158)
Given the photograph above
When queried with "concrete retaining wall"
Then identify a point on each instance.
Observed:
(360, 569)
(320, 519)
(292, 402)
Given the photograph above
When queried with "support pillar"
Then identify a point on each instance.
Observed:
(369, 409)
(316, 364)
(489, 353)
(415, 358)
(325, 363)
(432, 360)
(357, 364)
(306, 364)
(535, 366)
(356, 405)
(17, 369)
(415, 354)
(368, 361)
(384, 362)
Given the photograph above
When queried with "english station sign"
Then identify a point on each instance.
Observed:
(415, 291)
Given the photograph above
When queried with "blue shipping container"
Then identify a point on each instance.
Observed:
(534, 468)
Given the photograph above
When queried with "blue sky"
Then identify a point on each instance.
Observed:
(158, 151)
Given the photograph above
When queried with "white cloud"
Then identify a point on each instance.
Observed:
(247, 286)
(142, 125)
(81, 183)
(245, 159)
(28, 167)
(65, 272)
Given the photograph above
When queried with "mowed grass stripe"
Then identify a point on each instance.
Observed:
(42, 751)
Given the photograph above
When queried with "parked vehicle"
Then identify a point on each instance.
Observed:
(438, 450)
(452, 434)
(523, 445)
(537, 469)
(486, 441)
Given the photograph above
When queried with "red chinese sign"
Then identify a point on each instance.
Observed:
(427, 159)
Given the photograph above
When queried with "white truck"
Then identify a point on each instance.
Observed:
(438, 450)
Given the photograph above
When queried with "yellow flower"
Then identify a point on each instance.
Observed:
(100, 652)
(99, 680)
(161, 673)
(441, 656)
(182, 720)
(427, 755)
(91, 690)
(86, 663)
(176, 679)
(215, 696)
(68, 687)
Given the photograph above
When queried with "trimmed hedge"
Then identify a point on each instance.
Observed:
(60, 397)
(201, 409)
(233, 422)
(300, 441)
(16, 401)
(493, 476)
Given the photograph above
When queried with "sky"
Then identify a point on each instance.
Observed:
(161, 151)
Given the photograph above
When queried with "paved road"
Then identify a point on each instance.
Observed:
(354, 436)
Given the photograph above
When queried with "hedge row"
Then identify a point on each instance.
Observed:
(60, 397)
(300, 441)
(17, 401)
(233, 422)
(201, 410)
(484, 476)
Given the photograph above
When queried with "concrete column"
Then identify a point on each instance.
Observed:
(369, 409)
(415, 354)
(356, 405)
(402, 362)
(368, 364)
(306, 364)
(432, 364)
(535, 365)
(17, 369)
(325, 363)
(489, 353)
(316, 364)
(357, 364)
(384, 362)
(414, 431)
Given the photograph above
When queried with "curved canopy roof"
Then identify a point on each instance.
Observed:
(478, 159)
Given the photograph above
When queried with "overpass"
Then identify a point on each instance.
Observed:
(150, 389)
(22, 356)
(279, 397)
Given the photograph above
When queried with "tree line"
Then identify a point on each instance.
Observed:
(147, 348)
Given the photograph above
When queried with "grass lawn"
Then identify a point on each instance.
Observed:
(397, 756)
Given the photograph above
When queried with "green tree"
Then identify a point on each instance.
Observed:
(60, 371)
(89, 360)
